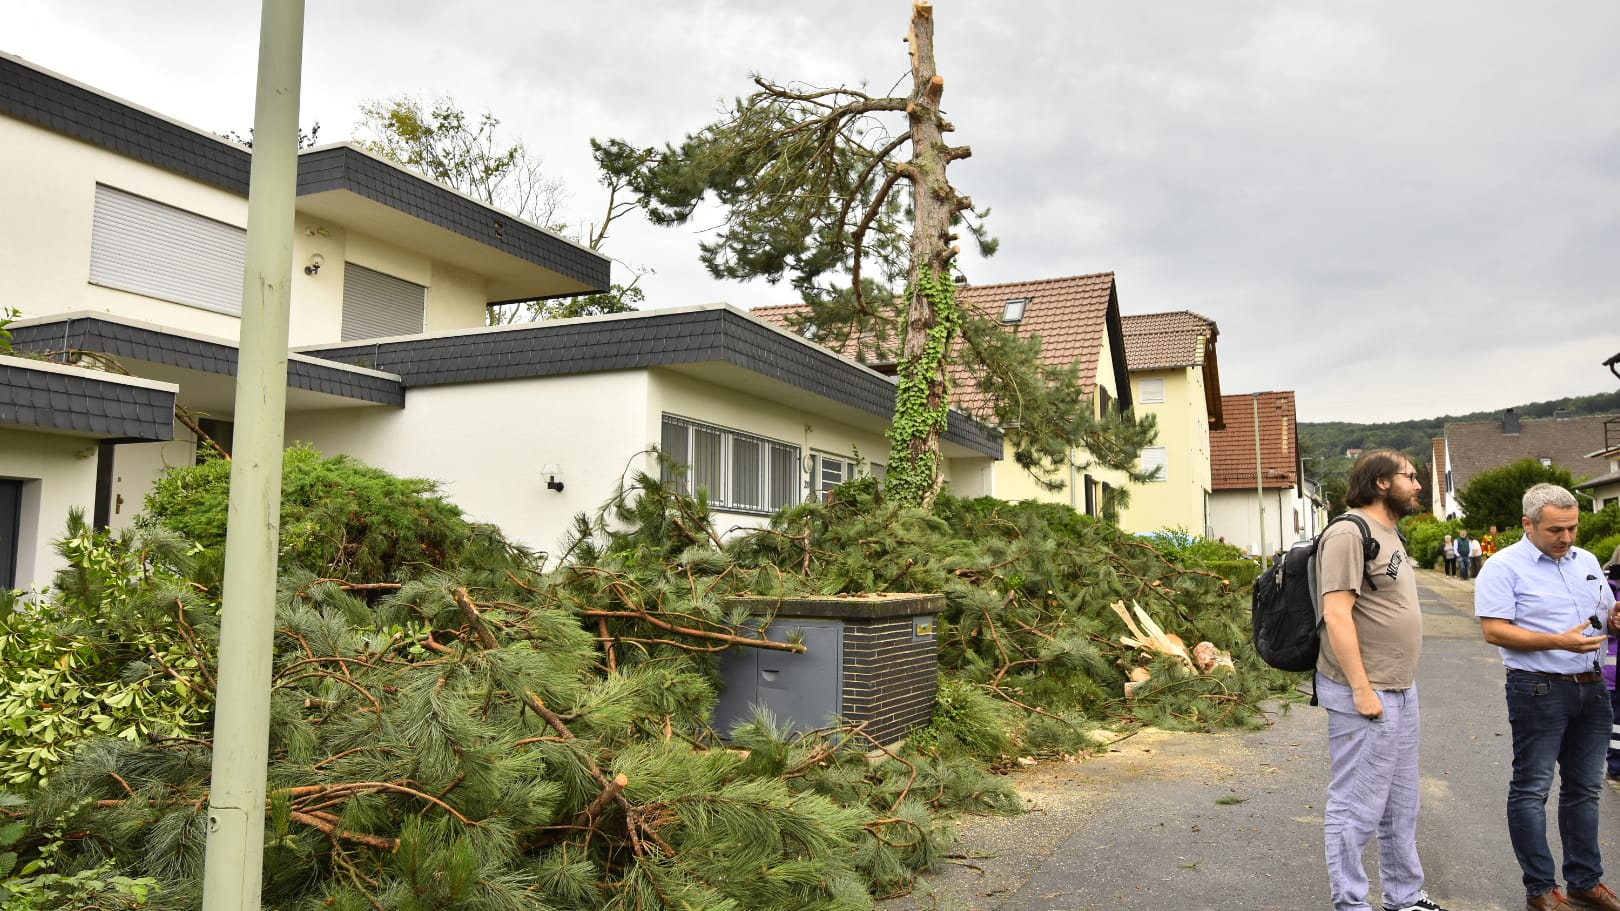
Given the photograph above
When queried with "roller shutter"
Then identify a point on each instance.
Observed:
(378, 306)
(156, 250)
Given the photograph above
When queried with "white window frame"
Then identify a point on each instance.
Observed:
(831, 471)
(1151, 391)
(774, 486)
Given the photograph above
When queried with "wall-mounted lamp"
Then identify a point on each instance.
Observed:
(553, 477)
(316, 261)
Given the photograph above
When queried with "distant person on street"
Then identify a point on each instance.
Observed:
(1448, 550)
(1487, 544)
(1544, 603)
(1366, 679)
(1476, 557)
(1465, 546)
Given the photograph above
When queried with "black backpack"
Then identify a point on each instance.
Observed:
(1287, 609)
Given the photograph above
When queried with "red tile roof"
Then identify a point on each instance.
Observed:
(1161, 341)
(1232, 450)
(1179, 339)
(1069, 314)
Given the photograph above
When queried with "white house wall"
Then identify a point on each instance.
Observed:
(49, 191)
(688, 397)
(975, 477)
(137, 466)
(58, 474)
(1234, 516)
(51, 183)
(485, 443)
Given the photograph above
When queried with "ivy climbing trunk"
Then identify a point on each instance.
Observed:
(922, 401)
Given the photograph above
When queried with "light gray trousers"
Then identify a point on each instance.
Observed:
(1373, 790)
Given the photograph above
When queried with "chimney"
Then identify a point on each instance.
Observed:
(1510, 423)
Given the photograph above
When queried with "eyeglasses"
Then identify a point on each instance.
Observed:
(1409, 475)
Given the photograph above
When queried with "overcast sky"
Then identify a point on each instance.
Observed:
(1398, 209)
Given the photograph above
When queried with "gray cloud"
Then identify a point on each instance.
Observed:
(1395, 209)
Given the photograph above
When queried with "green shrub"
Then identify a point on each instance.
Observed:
(1604, 548)
(338, 516)
(1596, 526)
(1241, 572)
(966, 719)
(1183, 547)
(1425, 538)
(1495, 497)
(101, 655)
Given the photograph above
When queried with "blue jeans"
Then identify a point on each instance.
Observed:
(1564, 724)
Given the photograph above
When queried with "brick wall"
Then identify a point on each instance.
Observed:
(891, 675)
(890, 661)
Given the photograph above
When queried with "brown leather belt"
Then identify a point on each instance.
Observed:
(1583, 677)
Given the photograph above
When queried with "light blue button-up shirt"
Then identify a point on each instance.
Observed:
(1533, 591)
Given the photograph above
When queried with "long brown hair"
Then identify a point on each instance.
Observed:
(1373, 466)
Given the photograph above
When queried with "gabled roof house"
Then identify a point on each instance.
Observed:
(1260, 501)
(124, 249)
(1574, 443)
(1176, 378)
(1078, 320)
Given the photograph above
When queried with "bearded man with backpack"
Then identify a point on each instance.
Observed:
(1366, 678)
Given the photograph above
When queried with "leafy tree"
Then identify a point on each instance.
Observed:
(1495, 497)
(439, 140)
(306, 139)
(815, 189)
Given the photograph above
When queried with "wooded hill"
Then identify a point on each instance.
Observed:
(1326, 443)
(1332, 438)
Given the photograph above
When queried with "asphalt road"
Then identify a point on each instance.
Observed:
(1188, 821)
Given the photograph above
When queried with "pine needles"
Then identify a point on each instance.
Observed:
(469, 732)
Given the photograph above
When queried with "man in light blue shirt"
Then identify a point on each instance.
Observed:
(1545, 604)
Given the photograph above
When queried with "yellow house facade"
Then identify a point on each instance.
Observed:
(1175, 377)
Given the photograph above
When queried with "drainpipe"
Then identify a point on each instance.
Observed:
(234, 870)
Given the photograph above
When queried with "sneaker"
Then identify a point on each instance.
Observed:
(1598, 898)
(1421, 903)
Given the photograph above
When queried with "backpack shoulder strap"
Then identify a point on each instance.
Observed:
(1369, 544)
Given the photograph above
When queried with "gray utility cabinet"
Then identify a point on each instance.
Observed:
(868, 659)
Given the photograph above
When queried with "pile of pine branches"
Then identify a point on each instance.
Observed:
(453, 727)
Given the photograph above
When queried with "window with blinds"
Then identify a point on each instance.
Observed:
(1156, 459)
(376, 305)
(738, 471)
(1151, 391)
(155, 250)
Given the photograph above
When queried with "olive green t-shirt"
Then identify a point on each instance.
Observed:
(1388, 621)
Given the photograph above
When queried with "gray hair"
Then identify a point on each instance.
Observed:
(1542, 496)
